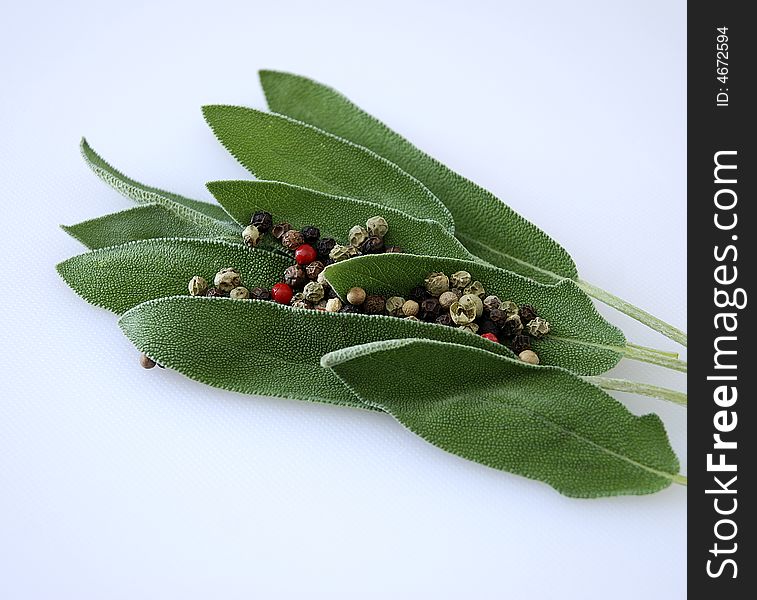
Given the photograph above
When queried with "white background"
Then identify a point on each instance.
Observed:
(121, 483)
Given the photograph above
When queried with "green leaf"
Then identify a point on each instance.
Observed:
(120, 277)
(257, 347)
(334, 215)
(581, 340)
(142, 222)
(203, 214)
(278, 148)
(484, 224)
(540, 422)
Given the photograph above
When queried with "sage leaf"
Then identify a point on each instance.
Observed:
(484, 224)
(539, 422)
(145, 221)
(334, 215)
(120, 277)
(257, 347)
(581, 340)
(278, 148)
(203, 214)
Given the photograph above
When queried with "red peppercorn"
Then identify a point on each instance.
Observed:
(491, 337)
(282, 293)
(305, 254)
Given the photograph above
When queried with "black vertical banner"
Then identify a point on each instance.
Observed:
(722, 422)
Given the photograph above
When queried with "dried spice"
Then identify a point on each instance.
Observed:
(410, 308)
(418, 293)
(146, 362)
(538, 327)
(471, 327)
(260, 293)
(437, 284)
(374, 305)
(305, 254)
(474, 301)
(447, 299)
(239, 293)
(357, 235)
(491, 302)
(489, 336)
(527, 313)
(333, 305)
(278, 230)
(313, 292)
(311, 234)
(215, 293)
(529, 356)
(445, 319)
(512, 326)
(227, 279)
(462, 315)
(251, 236)
(487, 326)
(377, 227)
(294, 276)
(292, 239)
(393, 249)
(262, 220)
(282, 293)
(372, 245)
(350, 308)
(460, 279)
(509, 308)
(356, 296)
(197, 286)
(429, 309)
(476, 288)
(313, 271)
(324, 247)
(340, 252)
(394, 305)
(520, 343)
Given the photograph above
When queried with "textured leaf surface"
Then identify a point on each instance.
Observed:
(488, 227)
(334, 215)
(257, 347)
(204, 214)
(540, 422)
(120, 277)
(581, 340)
(278, 148)
(142, 222)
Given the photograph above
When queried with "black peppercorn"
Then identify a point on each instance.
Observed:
(262, 220)
(527, 313)
(324, 247)
(373, 245)
(498, 316)
(429, 309)
(279, 230)
(395, 249)
(445, 319)
(512, 326)
(418, 293)
(311, 234)
(295, 276)
(374, 305)
(330, 293)
(259, 293)
(487, 326)
(314, 269)
(350, 308)
(520, 343)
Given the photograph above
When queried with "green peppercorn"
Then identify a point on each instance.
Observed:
(239, 293)
(377, 226)
(278, 230)
(198, 286)
(227, 279)
(510, 308)
(215, 293)
(313, 292)
(374, 305)
(527, 313)
(460, 279)
(262, 220)
(462, 315)
(474, 301)
(529, 356)
(292, 239)
(333, 305)
(260, 293)
(512, 326)
(469, 327)
(410, 308)
(394, 305)
(357, 235)
(356, 296)
(447, 299)
(339, 252)
(302, 304)
(314, 269)
(251, 236)
(310, 234)
(373, 245)
(491, 302)
(476, 288)
(445, 319)
(350, 308)
(520, 343)
(294, 276)
(437, 284)
(538, 327)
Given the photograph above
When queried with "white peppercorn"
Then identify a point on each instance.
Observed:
(377, 226)
(447, 298)
(410, 308)
(251, 236)
(356, 296)
(239, 293)
(437, 284)
(227, 279)
(333, 305)
(529, 356)
(198, 286)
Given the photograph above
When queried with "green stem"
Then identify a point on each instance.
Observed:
(681, 480)
(634, 312)
(643, 389)
(654, 350)
(654, 358)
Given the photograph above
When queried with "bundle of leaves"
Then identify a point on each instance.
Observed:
(320, 159)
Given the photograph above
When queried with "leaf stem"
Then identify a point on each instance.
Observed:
(654, 350)
(655, 358)
(634, 312)
(681, 479)
(634, 387)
